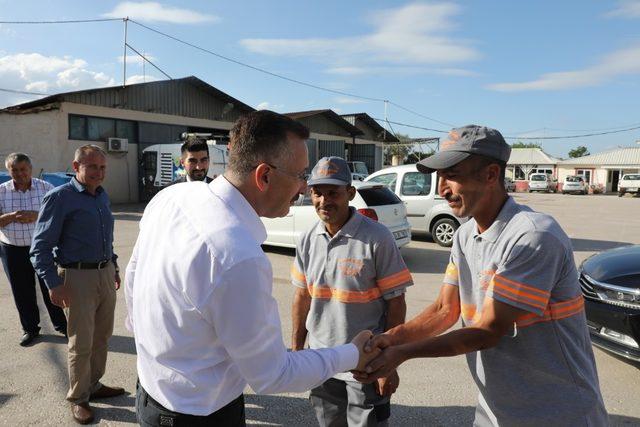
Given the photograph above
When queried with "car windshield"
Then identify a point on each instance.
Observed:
(378, 196)
(631, 177)
(538, 178)
(573, 179)
(359, 167)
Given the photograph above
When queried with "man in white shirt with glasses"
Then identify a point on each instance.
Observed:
(198, 287)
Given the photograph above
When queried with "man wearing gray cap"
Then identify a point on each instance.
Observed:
(350, 276)
(512, 277)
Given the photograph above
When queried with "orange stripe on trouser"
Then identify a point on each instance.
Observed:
(325, 292)
(394, 280)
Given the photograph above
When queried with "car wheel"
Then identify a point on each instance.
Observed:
(530, 191)
(443, 230)
(620, 194)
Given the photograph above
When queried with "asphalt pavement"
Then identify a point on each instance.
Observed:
(433, 392)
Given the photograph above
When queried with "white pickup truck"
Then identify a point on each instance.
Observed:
(630, 183)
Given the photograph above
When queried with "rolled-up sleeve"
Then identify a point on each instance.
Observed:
(246, 320)
(46, 237)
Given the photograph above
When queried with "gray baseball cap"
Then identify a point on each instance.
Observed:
(330, 170)
(463, 142)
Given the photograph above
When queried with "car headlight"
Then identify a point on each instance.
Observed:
(616, 295)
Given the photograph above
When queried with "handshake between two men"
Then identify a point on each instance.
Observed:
(378, 360)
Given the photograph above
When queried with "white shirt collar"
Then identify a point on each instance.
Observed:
(222, 188)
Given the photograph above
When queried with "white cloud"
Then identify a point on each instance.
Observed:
(266, 105)
(618, 63)
(139, 78)
(156, 12)
(415, 34)
(347, 100)
(625, 9)
(34, 72)
(136, 59)
(398, 70)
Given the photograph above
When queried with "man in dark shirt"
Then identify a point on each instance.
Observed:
(195, 160)
(72, 251)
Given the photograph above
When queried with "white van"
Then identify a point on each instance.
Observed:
(427, 211)
(161, 163)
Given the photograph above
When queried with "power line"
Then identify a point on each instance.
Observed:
(147, 60)
(70, 21)
(235, 61)
(584, 135)
(410, 126)
(421, 115)
(262, 70)
(22, 92)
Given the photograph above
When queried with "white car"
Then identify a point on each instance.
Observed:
(542, 182)
(372, 200)
(575, 184)
(630, 183)
(427, 212)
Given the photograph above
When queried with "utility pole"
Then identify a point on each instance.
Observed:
(124, 56)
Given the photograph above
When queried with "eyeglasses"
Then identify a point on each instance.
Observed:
(302, 176)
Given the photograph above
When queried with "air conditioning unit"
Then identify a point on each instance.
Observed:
(118, 145)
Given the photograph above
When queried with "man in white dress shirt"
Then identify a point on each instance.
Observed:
(198, 287)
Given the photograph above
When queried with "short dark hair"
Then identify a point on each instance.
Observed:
(260, 136)
(484, 161)
(193, 144)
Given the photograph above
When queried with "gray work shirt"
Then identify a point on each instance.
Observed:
(349, 277)
(543, 373)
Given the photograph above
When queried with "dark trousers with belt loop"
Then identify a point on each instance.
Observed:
(22, 278)
(150, 413)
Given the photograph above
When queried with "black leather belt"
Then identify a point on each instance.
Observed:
(87, 265)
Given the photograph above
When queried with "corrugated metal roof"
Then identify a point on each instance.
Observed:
(381, 133)
(189, 97)
(530, 156)
(626, 156)
(329, 114)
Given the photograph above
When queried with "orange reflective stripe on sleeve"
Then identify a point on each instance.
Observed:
(519, 292)
(296, 275)
(394, 280)
(356, 297)
(555, 311)
(451, 273)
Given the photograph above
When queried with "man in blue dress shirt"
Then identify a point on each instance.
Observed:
(72, 251)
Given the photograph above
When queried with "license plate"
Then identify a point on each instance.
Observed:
(632, 189)
(399, 234)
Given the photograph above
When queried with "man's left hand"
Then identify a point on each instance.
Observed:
(388, 385)
(118, 281)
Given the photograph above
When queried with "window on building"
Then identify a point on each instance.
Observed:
(90, 128)
(77, 127)
(519, 173)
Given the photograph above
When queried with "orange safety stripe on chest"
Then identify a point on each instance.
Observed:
(342, 295)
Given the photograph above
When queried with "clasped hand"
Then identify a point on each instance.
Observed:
(381, 359)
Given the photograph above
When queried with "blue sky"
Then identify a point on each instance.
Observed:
(526, 68)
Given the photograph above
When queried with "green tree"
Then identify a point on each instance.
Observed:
(520, 144)
(401, 149)
(579, 151)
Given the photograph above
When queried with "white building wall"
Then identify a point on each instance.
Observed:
(44, 137)
(36, 135)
